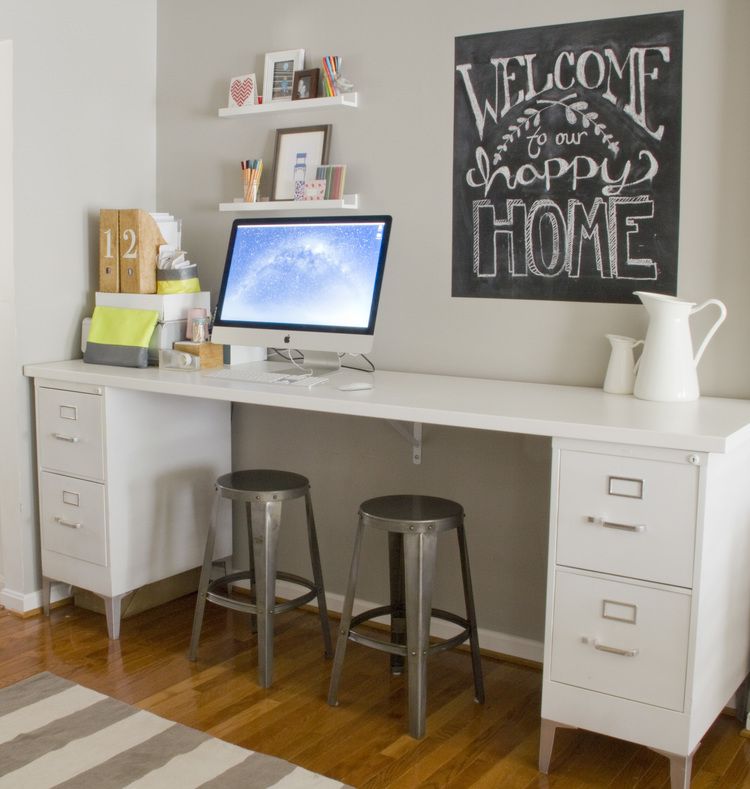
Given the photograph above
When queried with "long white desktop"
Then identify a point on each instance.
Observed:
(648, 595)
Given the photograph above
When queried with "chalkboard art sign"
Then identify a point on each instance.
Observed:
(566, 168)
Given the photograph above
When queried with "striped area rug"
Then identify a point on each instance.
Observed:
(56, 733)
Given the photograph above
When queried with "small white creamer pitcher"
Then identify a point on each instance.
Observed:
(621, 369)
(668, 370)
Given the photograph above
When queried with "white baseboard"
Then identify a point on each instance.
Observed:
(24, 603)
(500, 643)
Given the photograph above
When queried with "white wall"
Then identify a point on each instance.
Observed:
(84, 137)
(398, 147)
(8, 471)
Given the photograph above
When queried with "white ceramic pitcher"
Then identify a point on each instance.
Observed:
(667, 367)
(622, 366)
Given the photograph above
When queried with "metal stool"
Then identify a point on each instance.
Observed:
(263, 491)
(413, 524)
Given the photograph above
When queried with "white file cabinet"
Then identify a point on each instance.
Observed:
(126, 480)
(647, 602)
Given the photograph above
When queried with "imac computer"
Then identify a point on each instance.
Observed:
(307, 285)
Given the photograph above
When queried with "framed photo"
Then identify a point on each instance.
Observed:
(279, 73)
(313, 141)
(243, 91)
(305, 84)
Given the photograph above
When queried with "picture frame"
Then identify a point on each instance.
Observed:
(243, 91)
(278, 74)
(305, 84)
(314, 141)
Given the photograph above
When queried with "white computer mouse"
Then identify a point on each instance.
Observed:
(355, 386)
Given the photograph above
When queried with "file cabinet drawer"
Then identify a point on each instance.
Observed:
(70, 432)
(73, 517)
(623, 639)
(627, 516)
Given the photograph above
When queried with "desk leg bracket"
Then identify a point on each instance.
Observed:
(413, 436)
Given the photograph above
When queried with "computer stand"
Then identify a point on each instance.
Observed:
(317, 363)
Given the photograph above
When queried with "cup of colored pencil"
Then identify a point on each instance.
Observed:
(251, 172)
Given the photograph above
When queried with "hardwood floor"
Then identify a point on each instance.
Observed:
(363, 741)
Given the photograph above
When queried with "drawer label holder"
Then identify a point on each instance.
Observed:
(71, 498)
(69, 412)
(619, 612)
(629, 487)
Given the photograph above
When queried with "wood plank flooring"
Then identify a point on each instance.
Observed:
(363, 741)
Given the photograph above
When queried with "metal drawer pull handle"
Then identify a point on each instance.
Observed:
(63, 437)
(615, 650)
(612, 525)
(70, 524)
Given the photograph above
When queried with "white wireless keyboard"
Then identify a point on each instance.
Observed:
(251, 376)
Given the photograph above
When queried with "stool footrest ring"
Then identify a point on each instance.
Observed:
(226, 601)
(400, 649)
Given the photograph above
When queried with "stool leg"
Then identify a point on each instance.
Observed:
(398, 620)
(263, 533)
(419, 562)
(208, 556)
(471, 615)
(251, 568)
(346, 619)
(318, 576)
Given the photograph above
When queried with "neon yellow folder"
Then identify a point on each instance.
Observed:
(120, 336)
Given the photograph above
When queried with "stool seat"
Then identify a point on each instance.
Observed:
(388, 512)
(413, 524)
(262, 491)
(266, 483)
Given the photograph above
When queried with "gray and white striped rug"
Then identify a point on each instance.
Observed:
(54, 733)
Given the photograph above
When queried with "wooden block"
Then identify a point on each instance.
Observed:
(139, 250)
(109, 250)
(211, 354)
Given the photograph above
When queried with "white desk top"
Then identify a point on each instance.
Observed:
(710, 424)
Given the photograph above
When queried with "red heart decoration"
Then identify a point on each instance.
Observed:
(241, 90)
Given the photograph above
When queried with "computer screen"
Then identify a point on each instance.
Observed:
(310, 284)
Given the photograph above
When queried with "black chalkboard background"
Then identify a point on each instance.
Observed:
(571, 191)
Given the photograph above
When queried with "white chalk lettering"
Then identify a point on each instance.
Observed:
(636, 80)
(546, 241)
(555, 169)
(620, 82)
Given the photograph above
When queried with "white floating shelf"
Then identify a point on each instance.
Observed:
(347, 202)
(343, 100)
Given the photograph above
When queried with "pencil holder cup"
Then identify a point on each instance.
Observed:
(249, 186)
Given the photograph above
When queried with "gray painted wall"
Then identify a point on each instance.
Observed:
(84, 131)
(398, 147)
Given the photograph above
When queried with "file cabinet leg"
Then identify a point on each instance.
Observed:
(679, 771)
(112, 608)
(46, 592)
(680, 768)
(547, 740)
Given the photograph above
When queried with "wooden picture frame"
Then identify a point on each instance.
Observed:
(278, 74)
(305, 84)
(314, 141)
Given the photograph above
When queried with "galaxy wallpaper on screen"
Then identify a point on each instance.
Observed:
(304, 274)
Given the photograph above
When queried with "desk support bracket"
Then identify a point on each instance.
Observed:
(413, 436)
